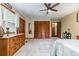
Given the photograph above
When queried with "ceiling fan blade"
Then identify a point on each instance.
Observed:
(43, 10)
(55, 5)
(49, 4)
(54, 10)
(46, 5)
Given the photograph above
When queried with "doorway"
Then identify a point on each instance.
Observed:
(56, 29)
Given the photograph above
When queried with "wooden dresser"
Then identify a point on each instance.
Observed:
(10, 44)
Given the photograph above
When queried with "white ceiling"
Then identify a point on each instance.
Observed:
(33, 10)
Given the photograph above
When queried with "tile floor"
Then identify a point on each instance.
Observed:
(36, 47)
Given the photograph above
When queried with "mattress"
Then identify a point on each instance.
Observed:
(63, 47)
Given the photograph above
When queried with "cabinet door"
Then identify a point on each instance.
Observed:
(4, 47)
(12, 46)
(38, 29)
(42, 29)
(22, 26)
(46, 29)
(22, 40)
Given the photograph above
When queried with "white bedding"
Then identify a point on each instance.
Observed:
(63, 47)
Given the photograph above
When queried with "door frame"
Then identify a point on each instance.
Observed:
(52, 30)
(58, 35)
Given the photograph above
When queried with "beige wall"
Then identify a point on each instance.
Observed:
(69, 21)
(32, 22)
(27, 34)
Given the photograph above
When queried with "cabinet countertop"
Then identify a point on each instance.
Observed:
(10, 35)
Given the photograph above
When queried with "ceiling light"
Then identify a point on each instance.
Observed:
(49, 10)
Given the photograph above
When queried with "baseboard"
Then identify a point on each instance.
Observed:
(30, 38)
(38, 38)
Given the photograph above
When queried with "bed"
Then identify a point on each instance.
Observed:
(65, 47)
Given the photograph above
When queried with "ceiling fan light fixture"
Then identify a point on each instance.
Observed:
(49, 7)
(49, 10)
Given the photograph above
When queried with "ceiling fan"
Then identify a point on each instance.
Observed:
(49, 7)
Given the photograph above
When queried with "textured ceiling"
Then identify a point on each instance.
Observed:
(33, 10)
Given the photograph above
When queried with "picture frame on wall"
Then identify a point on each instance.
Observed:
(77, 17)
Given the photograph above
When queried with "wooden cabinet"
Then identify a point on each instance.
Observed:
(8, 46)
(4, 47)
(21, 25)
(42, 29)
(12, 45)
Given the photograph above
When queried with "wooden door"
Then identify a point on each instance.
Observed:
(22, 26)
(53, 30)
(36, 29)
(46, 29)
(59, 29)
(42, 29)
(38, 32)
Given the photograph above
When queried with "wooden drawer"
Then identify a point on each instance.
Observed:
(17, 40)
(9, 46)
(12, 40)
(12, 51)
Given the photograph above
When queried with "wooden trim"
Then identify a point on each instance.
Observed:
(10, 33)
(51, 28)
(7, 8)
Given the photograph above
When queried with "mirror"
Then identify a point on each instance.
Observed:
(9, 20)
